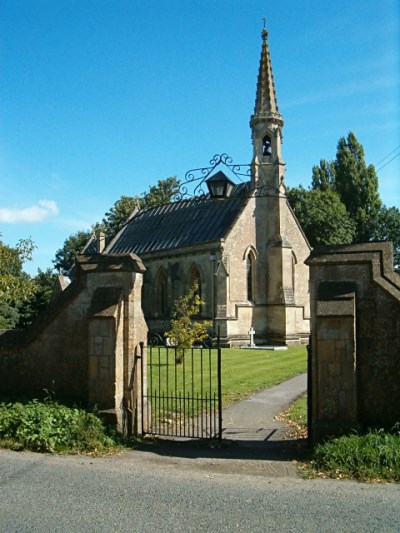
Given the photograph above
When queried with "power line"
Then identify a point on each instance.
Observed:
(389, 154)
(390, 160)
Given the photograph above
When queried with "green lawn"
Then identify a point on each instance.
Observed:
(244, 372)
(247, 371)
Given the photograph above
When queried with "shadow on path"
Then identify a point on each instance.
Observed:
(277, 450)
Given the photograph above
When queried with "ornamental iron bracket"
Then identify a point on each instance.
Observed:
(194, 180)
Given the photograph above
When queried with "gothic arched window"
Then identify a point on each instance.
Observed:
(294, 263)
(195, 277)
(162, 291)
(250, 275)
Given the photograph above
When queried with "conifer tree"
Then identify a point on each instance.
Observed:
(357, 185)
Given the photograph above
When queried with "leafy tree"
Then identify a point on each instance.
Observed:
(388, 229)
(40, 300)
(322, 216)
(15, 285)
(116, 217)
(160, 194)
(185, 331)
(323, 177)
(9, 316)
(73, 245)
(357, 185)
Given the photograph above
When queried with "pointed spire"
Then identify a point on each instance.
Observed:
(266, 105)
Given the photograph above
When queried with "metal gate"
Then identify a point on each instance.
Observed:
(182, 392)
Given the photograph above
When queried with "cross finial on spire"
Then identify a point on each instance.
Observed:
(264, 33)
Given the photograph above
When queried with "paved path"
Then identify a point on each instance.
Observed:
(254, 442)
(252, 420)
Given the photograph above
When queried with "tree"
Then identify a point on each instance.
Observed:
(323, 177)
(357, 185)
(388, 229)
(73, 245)
(160, 194)
(116, 217)
(343, 205)
(322, 216)
(185, 331)
(15, 285)
(44, 281)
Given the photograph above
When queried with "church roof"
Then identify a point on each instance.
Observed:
(180, 224)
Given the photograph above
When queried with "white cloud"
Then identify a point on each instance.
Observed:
(35, 213)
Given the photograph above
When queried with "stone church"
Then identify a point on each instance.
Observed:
(240, 241)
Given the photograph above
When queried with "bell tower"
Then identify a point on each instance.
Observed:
(273, 237)
(266, 126)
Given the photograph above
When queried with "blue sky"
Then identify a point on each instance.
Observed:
(101, 98)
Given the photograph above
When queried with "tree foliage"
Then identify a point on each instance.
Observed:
(322, 216)
(185, 330)
(357, 185)
(388, 229)
(323, 177)
(116, 217)
(160, 194)
(73, 245)
(15, 285)
(44, 281)
(343, 205)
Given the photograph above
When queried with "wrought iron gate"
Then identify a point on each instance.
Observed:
(181, 394)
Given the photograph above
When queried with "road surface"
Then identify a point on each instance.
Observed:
(150, 492)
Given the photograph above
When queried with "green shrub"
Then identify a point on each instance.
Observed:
(369, 457)
(51, 427)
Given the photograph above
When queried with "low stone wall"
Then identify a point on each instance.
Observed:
(355, 339)
(87, 344)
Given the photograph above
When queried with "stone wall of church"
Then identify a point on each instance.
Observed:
(176, 272)
(297, 274)
(241, 313)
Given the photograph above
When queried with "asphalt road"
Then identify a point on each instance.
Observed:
(145, 491)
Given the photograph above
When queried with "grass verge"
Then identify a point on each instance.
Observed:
(372, 457)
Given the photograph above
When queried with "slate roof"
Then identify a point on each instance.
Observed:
(180, 224)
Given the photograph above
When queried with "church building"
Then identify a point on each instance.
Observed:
(235, 235)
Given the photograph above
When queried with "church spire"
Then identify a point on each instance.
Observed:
(266, 106)
(266, 123)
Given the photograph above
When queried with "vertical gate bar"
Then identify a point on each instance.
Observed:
(167, 387)
(184, 389)
(176, 392)
(141, 387)
(180, 413)
(159, 390)
(309, 391)
(219, 378)
(192, 402)
(210, 387)
(206, 413)
(202, 389)
(150, 391)
(198, 413)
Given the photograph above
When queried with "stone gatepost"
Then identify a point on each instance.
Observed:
(116, 335)
(355, 339)
(333, 341)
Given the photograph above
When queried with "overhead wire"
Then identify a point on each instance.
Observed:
(389, 154)
(390, 160)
